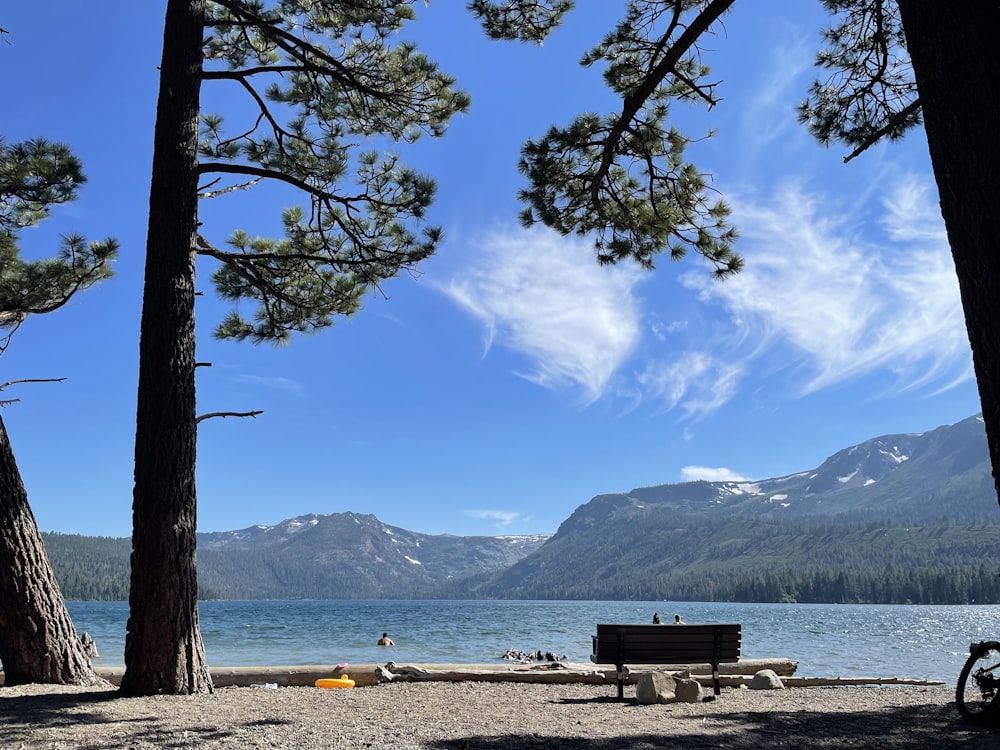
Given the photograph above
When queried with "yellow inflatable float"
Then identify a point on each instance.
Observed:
(335, 682)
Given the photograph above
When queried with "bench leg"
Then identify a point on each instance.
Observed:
(620, 674)
(715, 678)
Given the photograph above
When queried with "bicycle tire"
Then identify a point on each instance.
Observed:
(977, 694)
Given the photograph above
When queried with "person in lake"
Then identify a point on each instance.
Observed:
(678, 620)
(656, 618)
(385, 640)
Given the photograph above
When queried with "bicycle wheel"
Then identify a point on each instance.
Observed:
(979, 682)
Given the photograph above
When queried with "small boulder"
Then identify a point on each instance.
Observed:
(89, 645)
(655, 687)
(688, 691)
(766, 679)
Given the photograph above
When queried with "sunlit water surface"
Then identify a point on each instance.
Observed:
(924, 642)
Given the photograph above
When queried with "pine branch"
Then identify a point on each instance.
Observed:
(890, 124)
(297, 47)
(4, 386)
(231, 189)
(279, 132)
(12, 323)
(271, 174)
(703, 92)
(317, 193)
(80, 282)
(224, 414)
(245, 267)
(634, 101)
(208, 249)
(233, 75)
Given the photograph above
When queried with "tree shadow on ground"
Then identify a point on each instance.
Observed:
(23, 717)
(908, 728)
(592, 701)
(52, 709)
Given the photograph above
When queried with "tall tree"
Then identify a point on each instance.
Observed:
(38, 642)
(319, 75)
(163, 647)
(893, 63)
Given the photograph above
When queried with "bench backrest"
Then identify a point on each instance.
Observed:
(667, 644)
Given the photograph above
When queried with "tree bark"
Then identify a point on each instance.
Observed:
(164, 652)
(38, 642)
(953, 48)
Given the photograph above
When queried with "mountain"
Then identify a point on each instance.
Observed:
(337, 556)
(896, 518)
(944, 473)
(347, 556)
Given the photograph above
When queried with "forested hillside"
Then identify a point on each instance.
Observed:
(90, 567)
(684, 558)
(897, 519)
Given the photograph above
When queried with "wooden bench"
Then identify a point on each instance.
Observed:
(666, 644)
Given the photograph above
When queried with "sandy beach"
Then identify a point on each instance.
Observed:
(509, 716)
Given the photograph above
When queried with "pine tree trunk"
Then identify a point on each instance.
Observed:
(38, 642)
(953, 46)
(164, 652)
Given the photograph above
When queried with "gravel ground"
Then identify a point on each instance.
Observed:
(466, 715)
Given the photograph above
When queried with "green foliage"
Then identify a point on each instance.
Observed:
(34, 176)
(518, 20)
(318, 75)
(623, 178)
(870, 92)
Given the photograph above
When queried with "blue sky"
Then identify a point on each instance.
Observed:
(511, 379)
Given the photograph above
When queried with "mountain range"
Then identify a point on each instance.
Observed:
(899, 518)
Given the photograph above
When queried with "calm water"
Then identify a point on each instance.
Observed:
(926, 642)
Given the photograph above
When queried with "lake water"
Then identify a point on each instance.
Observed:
(828, 640)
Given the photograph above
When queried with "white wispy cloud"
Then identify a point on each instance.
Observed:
(697, 382)
(830, 293)
(275, 383)
(844, 303)
(709, 474)
(545, 297)
(765, 106)
(502, 518)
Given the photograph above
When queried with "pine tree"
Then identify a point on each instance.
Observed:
(320, 76)
(38, 642)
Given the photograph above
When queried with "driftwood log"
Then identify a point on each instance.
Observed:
(371, 674)
(366, 675)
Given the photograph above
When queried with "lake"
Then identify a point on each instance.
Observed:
(828, 640)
